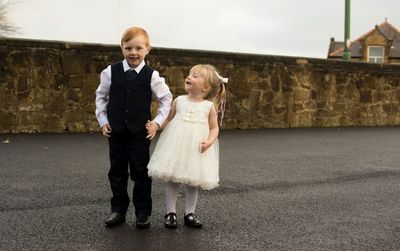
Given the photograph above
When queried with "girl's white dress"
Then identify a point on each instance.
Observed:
(177, 155)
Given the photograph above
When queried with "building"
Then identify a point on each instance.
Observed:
(379, 45)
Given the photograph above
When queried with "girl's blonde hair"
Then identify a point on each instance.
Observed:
(217, 92)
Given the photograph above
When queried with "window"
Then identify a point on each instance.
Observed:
(376, 54)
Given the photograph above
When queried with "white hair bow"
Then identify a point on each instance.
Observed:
(223, 80)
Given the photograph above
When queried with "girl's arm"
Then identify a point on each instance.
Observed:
(171, 114)
(214, 130)
(152, 126)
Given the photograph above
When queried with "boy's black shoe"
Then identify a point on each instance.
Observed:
(170, 220)
(115, 219)
(142, 221)
(192, 221)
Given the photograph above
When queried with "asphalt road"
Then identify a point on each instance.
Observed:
(280, 189)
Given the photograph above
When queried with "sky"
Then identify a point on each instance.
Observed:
(300, 28)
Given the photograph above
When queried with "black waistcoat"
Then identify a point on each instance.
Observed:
(129, 99)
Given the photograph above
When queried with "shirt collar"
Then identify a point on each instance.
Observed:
(127, 67)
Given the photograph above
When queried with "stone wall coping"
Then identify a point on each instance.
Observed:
(247, 58)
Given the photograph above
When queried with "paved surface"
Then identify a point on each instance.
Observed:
(294, 189)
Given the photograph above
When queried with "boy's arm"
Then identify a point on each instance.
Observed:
(161, 91)
(171, 114)
(214, 130)
(152, 127)
(102, 94)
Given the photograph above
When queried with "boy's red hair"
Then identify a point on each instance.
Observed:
(134, 32)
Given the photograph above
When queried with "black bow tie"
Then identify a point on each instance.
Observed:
(131, 74)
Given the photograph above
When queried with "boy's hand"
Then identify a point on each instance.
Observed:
(106, 129)
(204, 145)
(152, 128)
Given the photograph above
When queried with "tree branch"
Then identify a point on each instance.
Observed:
(5, 26)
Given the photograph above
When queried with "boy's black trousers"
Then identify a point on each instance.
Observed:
(129, 156)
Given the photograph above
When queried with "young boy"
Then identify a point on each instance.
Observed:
(123, 101)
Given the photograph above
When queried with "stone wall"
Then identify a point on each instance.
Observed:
(49, 86)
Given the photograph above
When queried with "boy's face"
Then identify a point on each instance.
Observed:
(135, 50)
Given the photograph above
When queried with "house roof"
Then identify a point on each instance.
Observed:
(386, 29)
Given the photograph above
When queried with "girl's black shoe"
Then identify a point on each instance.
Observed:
(170, 220)
(192, 221)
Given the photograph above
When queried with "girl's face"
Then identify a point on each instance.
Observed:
(135, 50)
(195, 83)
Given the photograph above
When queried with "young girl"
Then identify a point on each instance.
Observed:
(187, 150)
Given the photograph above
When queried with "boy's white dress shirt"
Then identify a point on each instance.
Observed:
(158, 87)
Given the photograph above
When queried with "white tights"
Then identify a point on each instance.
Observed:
(171, 195)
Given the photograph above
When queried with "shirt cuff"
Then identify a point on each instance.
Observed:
(159, 121)
(103, 121)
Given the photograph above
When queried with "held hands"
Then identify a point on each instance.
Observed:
(204, 145)
(152, 128)
(106, 129)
